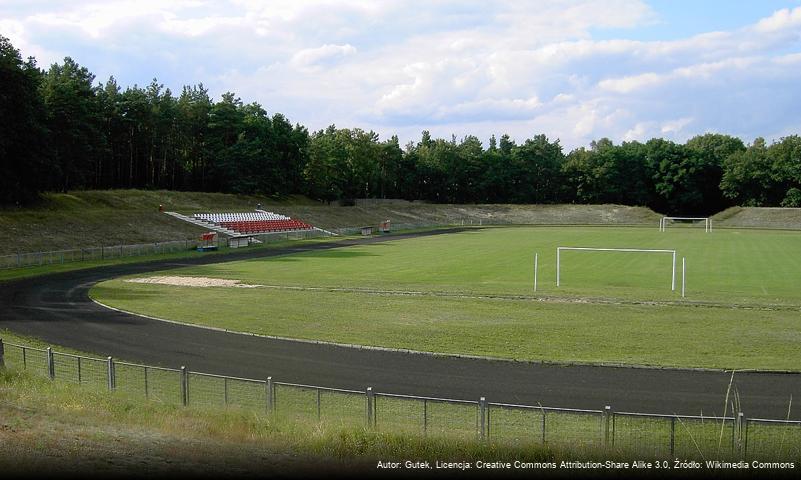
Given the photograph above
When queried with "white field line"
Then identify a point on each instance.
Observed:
(534, 298)
(531, 298)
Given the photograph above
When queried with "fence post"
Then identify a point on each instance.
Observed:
(482, 418)
(319, 409)
(270, 395)
(607, 415)
(51, 367)
(740, 426)
(2, 355)
(425, 417)
(112, 382)
(672, 436)
(184, 386)
(543, 427)
(370, 400)
(745, 438)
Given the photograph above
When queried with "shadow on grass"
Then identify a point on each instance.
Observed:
(111, 294)
(338, 253)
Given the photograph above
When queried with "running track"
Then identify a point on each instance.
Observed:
(57, 309)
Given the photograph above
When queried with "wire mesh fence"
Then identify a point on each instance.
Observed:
(561, 427)
(676, 435)
(103, 252)
(321, 404)
(769, 439)
(425, 415)
(649, 435)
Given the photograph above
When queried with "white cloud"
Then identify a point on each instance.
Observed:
(315, 58)
(631, 83)
(780, 20)
(675, 126)
(452, 66)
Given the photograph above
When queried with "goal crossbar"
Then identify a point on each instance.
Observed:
(707, 222)
(637, 250)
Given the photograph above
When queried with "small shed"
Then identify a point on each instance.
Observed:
(236, 242)
(367, 231)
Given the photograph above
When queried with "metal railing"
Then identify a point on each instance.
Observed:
(652, 435)
(107, 252)
(104, 252)
(20, 260)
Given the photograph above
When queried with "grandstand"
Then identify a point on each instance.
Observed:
(245, 224)
(250, 223)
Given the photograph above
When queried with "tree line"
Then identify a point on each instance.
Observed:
(60, 131)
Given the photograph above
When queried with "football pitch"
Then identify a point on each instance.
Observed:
(472, 293)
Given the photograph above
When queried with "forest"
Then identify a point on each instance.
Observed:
(61, 131)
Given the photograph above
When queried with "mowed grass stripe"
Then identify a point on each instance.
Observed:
(518, 329)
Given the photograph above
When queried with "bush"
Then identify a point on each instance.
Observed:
(792, 199)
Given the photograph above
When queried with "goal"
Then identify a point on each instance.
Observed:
(664, 221)
(559, 251)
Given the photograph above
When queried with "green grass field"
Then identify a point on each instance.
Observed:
(472, 293)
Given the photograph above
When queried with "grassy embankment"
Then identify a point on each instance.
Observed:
(471, 293)
(95, 218)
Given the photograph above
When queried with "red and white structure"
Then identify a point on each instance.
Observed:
(252, 223)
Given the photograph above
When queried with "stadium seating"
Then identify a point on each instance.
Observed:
(254, 222)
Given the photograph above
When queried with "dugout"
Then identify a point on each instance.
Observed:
(208, 242)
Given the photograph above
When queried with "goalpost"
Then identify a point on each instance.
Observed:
(664, 221)
(636, 250)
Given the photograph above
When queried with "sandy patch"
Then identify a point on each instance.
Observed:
(192, 282)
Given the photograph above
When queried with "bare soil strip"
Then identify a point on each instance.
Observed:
(202, 282)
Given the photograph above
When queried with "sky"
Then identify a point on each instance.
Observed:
(575, 70)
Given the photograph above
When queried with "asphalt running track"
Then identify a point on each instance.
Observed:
(57, 309)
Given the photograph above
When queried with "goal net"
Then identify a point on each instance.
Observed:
(697, 222)
(559, 251)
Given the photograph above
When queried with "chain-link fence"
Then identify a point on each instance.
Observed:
(400, 227)
(54, 257)
(575, 430)
(107, 252)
